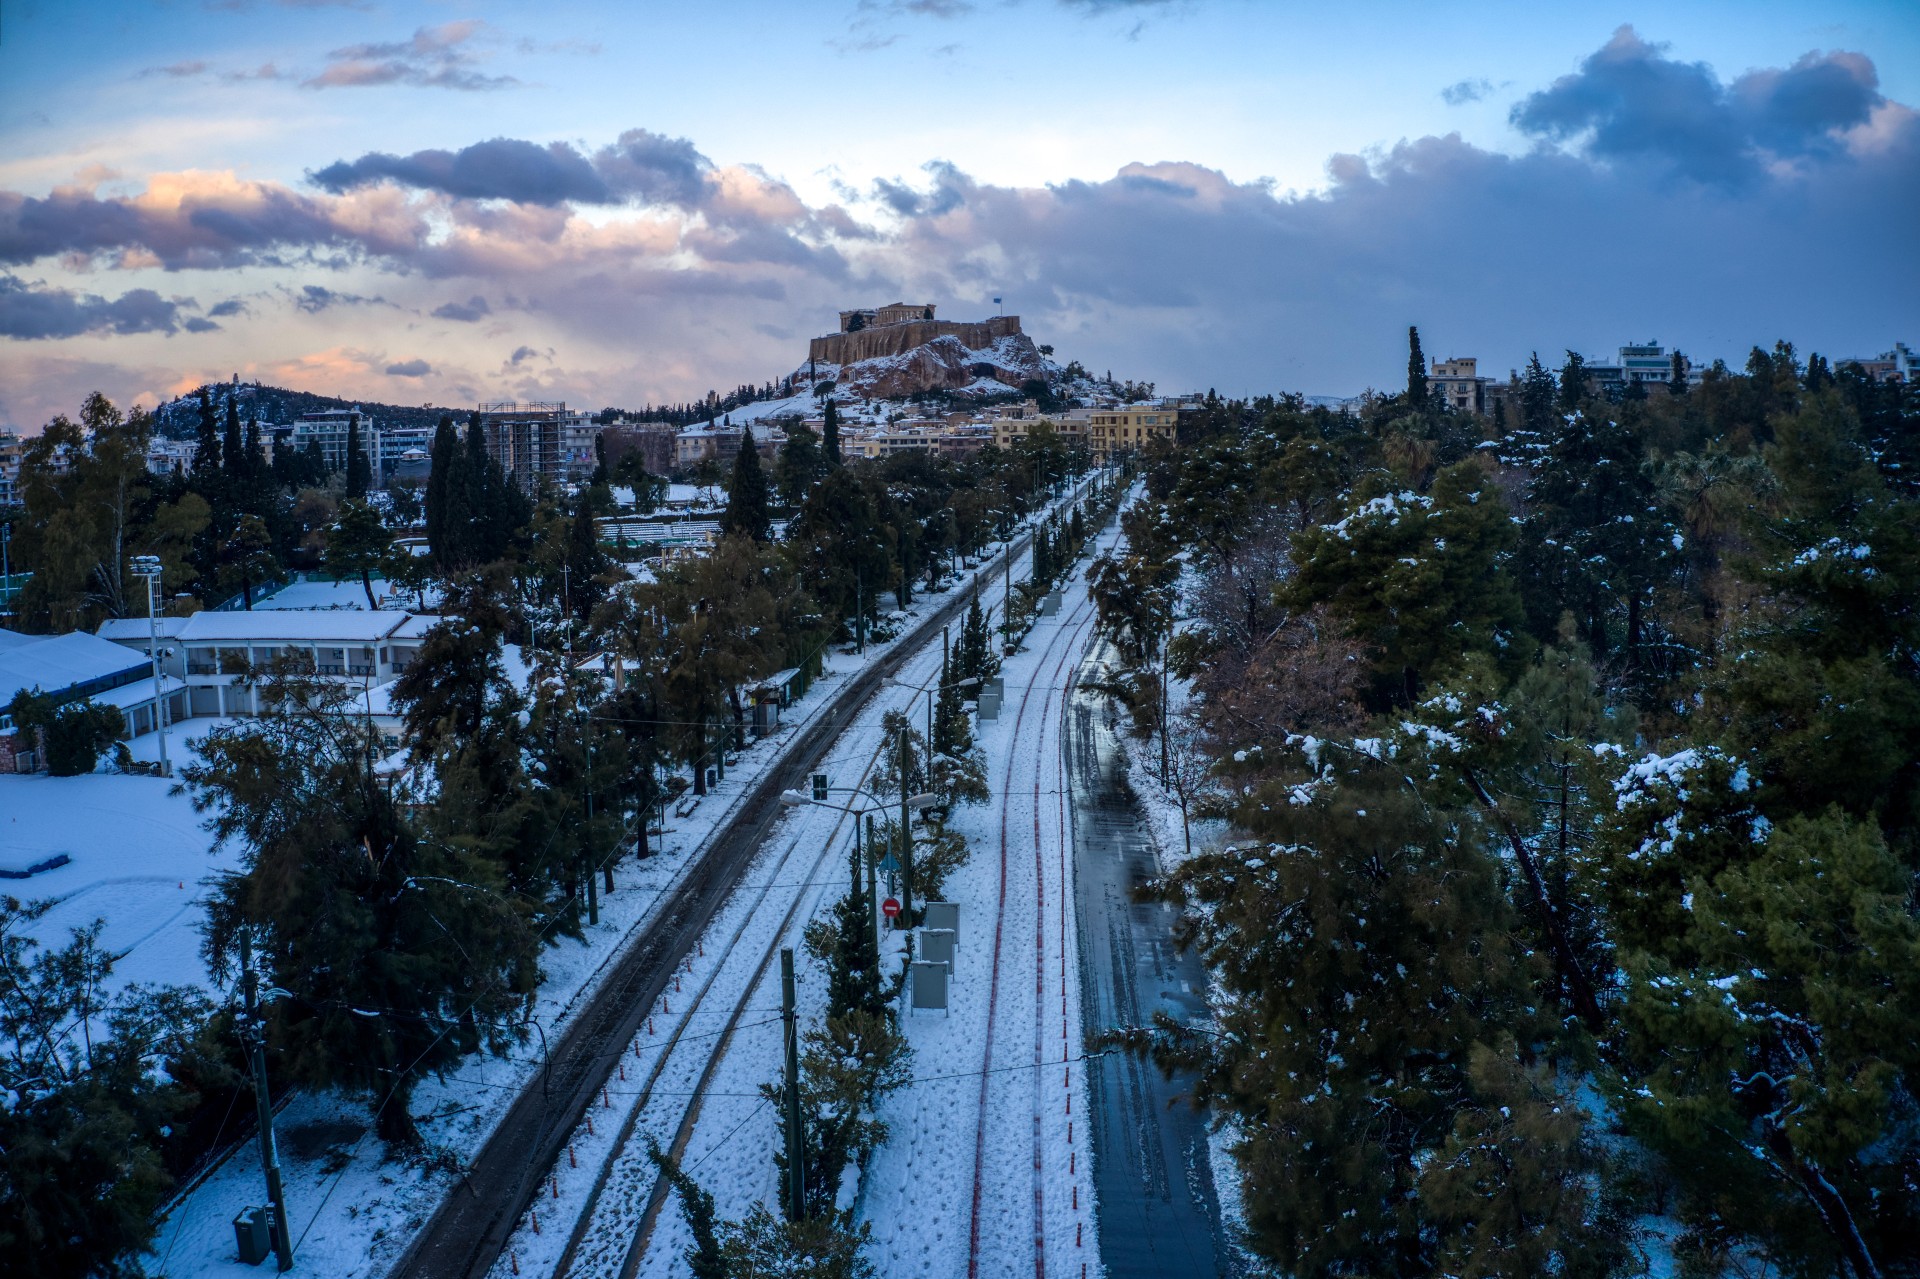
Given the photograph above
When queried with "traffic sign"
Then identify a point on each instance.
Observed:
(890, 908)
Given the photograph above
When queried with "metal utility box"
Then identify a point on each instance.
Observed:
(253, 1234)
(989, 707)
(936, 945)
(1050, 603)
(944, 915)
(929, 984)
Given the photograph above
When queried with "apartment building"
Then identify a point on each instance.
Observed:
(529, 440)
(1459, 383)
(1129, 428)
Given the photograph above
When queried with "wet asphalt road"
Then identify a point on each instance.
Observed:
(1152, 1176)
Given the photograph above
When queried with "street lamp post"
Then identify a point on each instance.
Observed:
(908, 803)
(148, 567)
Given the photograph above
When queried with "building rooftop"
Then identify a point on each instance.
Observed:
(310, 625)
(58, 662)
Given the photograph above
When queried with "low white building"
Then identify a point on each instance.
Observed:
(214, 652)
(78, 667)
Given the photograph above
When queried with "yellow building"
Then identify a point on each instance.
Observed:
(1129, 429)
(1008, 431)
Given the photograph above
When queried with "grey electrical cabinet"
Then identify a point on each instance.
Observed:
(253, 1234)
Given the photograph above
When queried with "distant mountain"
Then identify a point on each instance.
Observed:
(180, 419)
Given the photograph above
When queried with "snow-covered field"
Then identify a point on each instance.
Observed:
(138, 857)
(353, 1212)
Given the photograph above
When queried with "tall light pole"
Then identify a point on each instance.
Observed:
(908, 804)
(148, 567)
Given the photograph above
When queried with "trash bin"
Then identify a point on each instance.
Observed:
(253, 1234)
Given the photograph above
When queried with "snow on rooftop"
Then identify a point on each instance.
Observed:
(126, 630)
(59, 662)
(273, 625)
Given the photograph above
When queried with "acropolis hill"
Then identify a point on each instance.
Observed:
(897, 329)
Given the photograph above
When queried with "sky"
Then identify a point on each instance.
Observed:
(616, 204)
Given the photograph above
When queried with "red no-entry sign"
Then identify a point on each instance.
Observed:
(890, 908)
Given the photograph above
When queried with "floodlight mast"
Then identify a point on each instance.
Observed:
(149, 567)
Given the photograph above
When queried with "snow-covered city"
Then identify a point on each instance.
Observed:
(1102, 639)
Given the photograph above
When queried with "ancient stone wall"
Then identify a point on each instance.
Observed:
(898, 339)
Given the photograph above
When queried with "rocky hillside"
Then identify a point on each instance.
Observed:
(944, 364)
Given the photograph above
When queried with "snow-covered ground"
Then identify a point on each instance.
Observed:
(352, 1211)
(987, 1161)
(1004, 1052)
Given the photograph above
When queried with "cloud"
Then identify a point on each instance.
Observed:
(654, 168)
(409, 368)
(177, 70)
(232, 306)
(1630, 103)
(315, 298)
(201, 220)
(468, 312)
(200, 324)
(435, 58)
(498, 169)
(29, 312)
(1169, 271)
(1465, 91)
(639, 165)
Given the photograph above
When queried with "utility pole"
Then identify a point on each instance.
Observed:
(859, 614)
(263, 1101)
(906, 840)
(796, 1143)
(586, 834)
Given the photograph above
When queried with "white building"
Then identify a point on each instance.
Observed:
(78, 667)
(213, 652)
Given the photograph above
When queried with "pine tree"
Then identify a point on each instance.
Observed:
(1537, 395)
(399, 954)
(1677, 375)
(747, 498)
(830, 434)
(1573, 381)
(256, 457)
(1416, 372)
(358, 545)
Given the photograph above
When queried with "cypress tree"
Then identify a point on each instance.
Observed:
(747, 499)
(830, 434)
(206, 452)
(256, 460)
(1416, 371)
(1677, 379)
(232, 456)
(584, 560)
(445, 445)
(359, 472)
